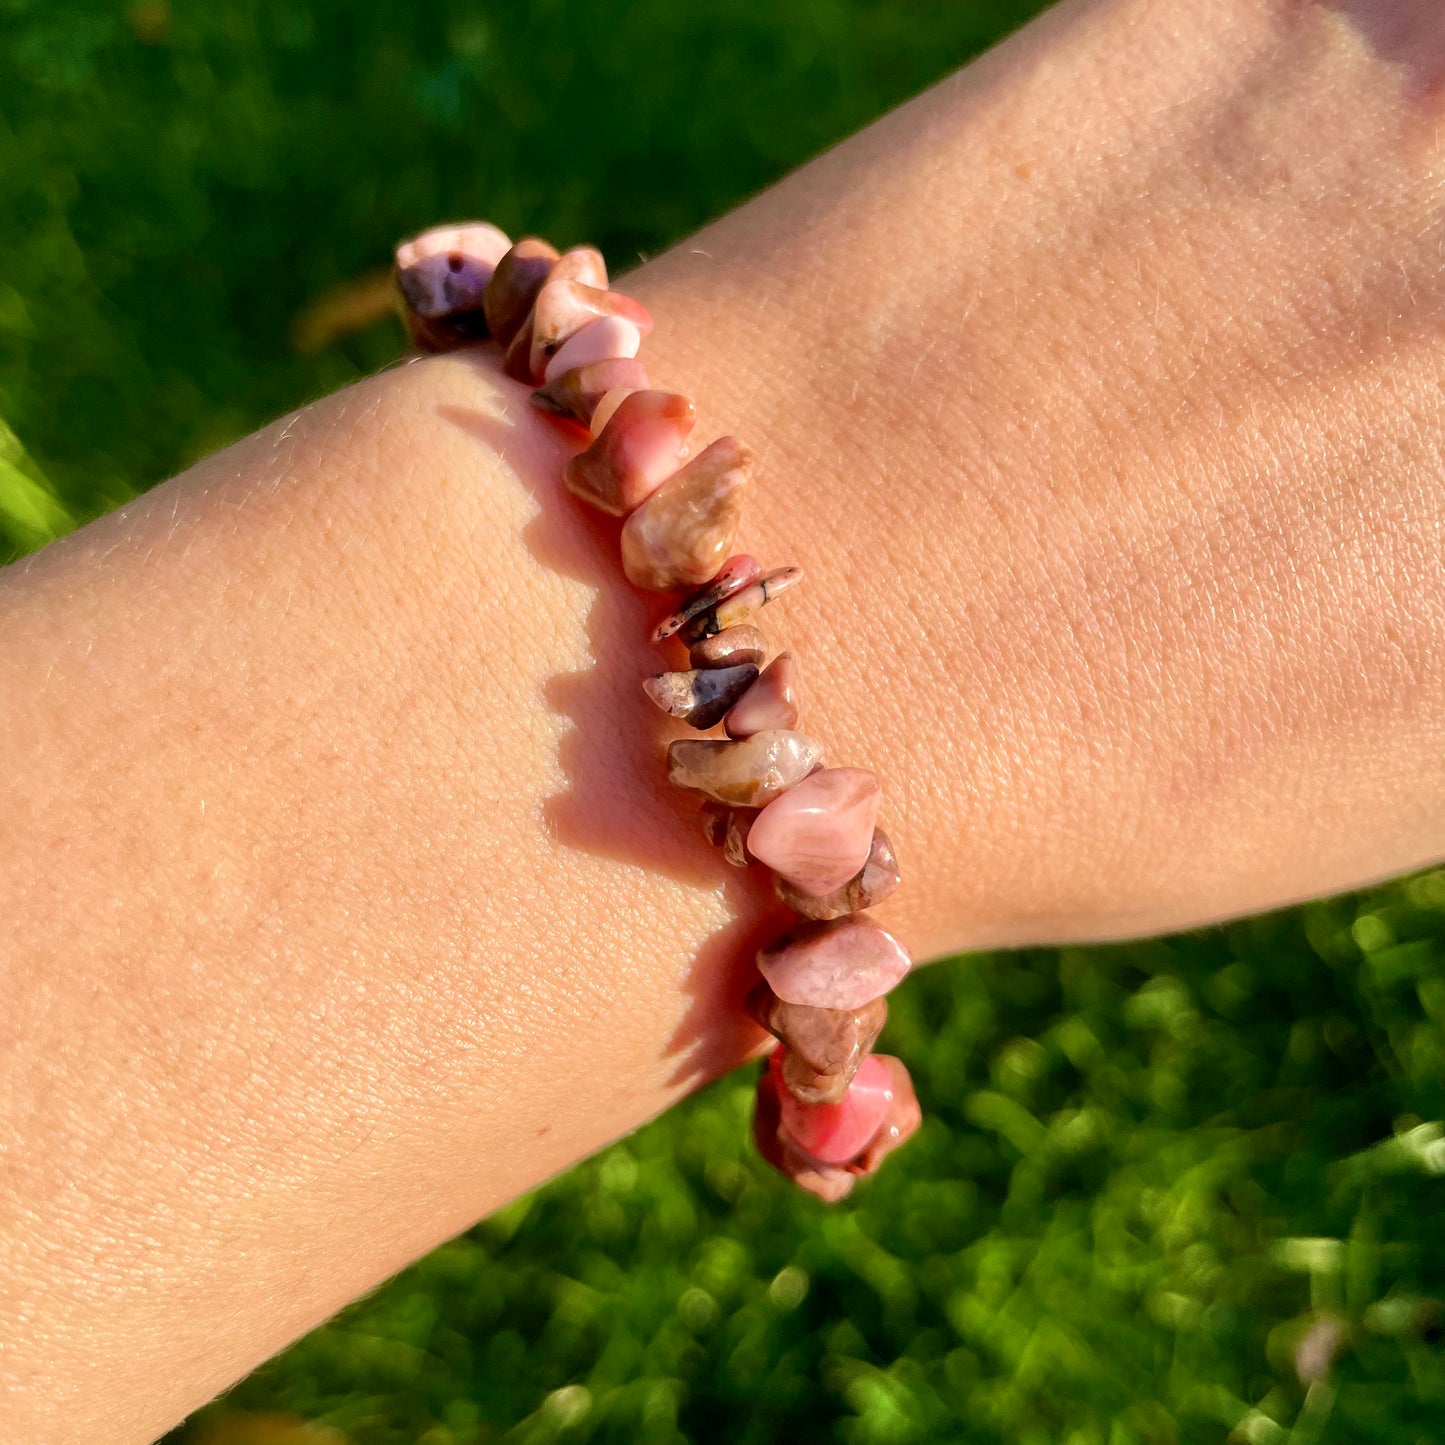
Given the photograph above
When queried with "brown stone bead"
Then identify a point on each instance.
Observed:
(826, 1181)
(773, 701)
(745, 774)
(700, 697)
(877, 878)
(810, 1087)
(825, 1045)
(741, 605)
(714, 821)
(682, 533)
(517, 360)
(519, 276)
(576, 393)
(636, 453)
(735, 836)
(727, 649)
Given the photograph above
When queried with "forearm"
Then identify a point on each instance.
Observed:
(347, 897)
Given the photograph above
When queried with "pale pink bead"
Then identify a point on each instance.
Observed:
(636, 452)
(563, 308)
(605, 339)
(837, 1133)
(843, 963)
(818, 834)
(607, 408)
(772, 701)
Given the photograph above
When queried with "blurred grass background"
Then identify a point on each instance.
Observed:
(1173, 1192)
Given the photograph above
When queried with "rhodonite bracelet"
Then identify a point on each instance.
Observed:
(828, 1109)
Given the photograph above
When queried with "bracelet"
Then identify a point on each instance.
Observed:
(827, 1109)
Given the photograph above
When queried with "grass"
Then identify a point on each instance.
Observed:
(1173, 1192)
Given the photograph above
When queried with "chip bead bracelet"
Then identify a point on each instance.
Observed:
(828, 1109)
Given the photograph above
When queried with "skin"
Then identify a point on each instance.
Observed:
(1098, 391)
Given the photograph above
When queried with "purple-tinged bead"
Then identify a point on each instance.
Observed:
(699, 697)
(442, 276)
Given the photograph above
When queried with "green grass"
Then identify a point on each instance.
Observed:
(1146, 1171)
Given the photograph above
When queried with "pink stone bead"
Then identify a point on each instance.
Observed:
(900, 1122)
(827, 1182)
(576, 395)
(837, 1133)
(515, 283)
(637, 451)
(681, 534)
(607, 338)
(773, 701)
(442, 275)
(732, 576)
(564, 307)
(877, 878)
(818, 834)
(843, 963)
